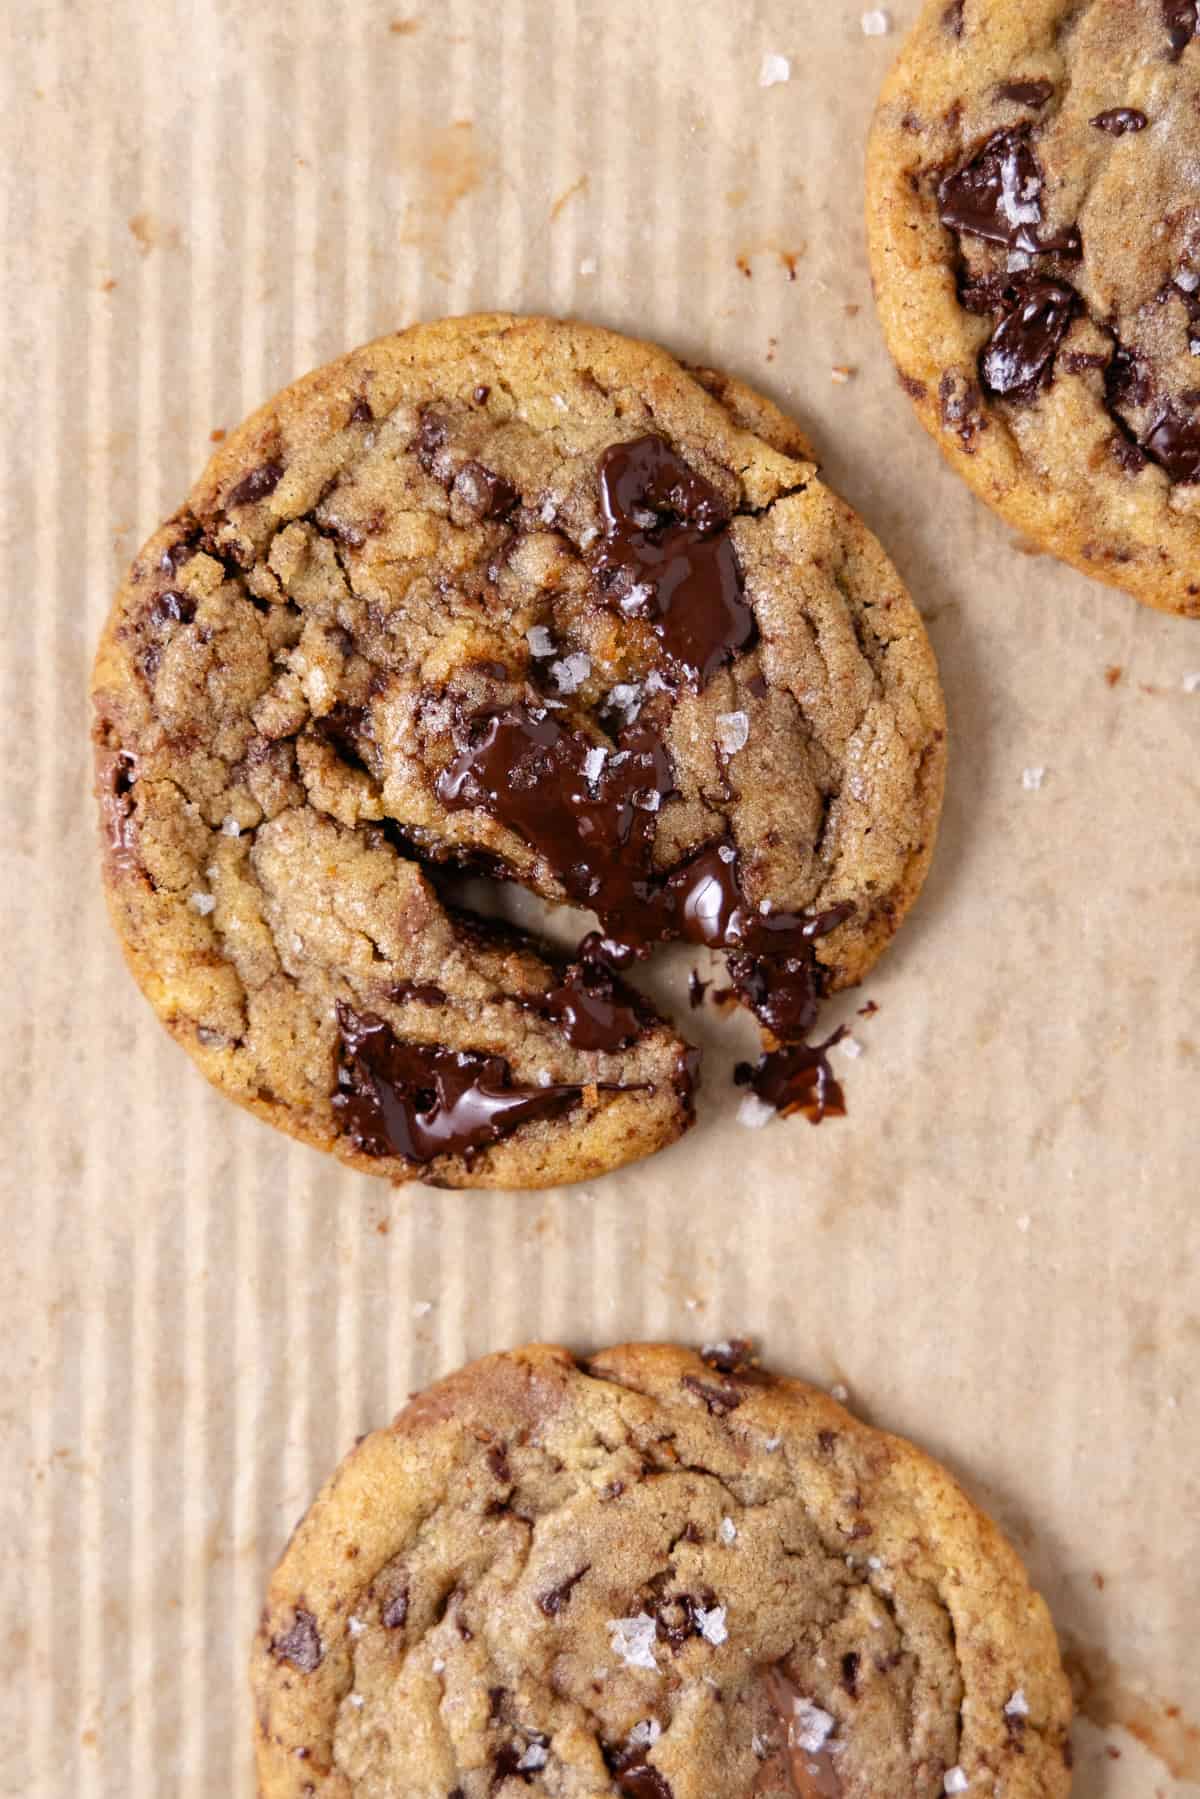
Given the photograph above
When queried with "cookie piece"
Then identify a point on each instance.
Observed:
(524, 598)
(1035, 243)
(653, 1575)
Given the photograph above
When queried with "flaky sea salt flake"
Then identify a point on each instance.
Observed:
(645, 1734)
(773, 69)
(712, 1625)
(728, 1531)
(632, 1639)
(810, 1728)
(876, 23)
(587, 265)
(593, 765)
(1018, 1705)
(733, 729)
(1191, 683)
(355, 1626)
(535, 1757)
(839, 1392)
(203, 903)
(571, 672)
(422, 1308)
(1032, 779)
(539, 640)
(850, 1046)
(955, 1781)
(230, 827)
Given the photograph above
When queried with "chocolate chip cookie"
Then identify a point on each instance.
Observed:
(524, 599)
(1035, 241)
(655, 1575)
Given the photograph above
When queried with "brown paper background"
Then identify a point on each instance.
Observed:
(997, 1252)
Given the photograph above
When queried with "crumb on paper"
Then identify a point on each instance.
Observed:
(712, 1625)
(422, 1308)
(876, 23)
(733, 731)
(774, 69)
(1113, 673)
(728, 1532)
(203, 903)
(840, 373)
(587, 265)
(956, 1781)
(810, 1728)
(692, 1303)
(1024, 1222)
(1018, 1705)
(1191, 683)
(632, 1639)
(851, 1046)
(754, 1113)
(1032, 779)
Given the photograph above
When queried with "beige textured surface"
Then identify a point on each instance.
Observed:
(997, 1251)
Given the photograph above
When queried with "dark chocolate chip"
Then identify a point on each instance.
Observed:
(432, 433)
(552, 1603)
(1173, 440)
(717, 1400)
(952, 18)
(589, 1011)
(1120, 119)
(360, 412)
(487, 495)
(667, 557)
(1181, 20)
(996, 195)
(180, 608)
(424, 993)
(480, 395)
(1020, 356)
(1127, 453)
(634, 1776)
(419, 1101)
(1025, 93)
(696, 990)
(850, 1666)
(797, 1078)
(497, 1461)
(395, 1612)
(301, 1646)
(256, 485)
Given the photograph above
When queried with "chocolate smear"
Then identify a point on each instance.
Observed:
(667, 557)
(419, 1101)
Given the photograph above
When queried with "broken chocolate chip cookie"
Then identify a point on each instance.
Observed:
(526, 600)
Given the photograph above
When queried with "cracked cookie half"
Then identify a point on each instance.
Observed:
(528, 599)
(655, 1575)
(1035, 243)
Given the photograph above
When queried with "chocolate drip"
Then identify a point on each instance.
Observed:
(418, 1100)
(667, 557)
(590, 1011)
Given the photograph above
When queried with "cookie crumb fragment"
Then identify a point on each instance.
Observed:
(1032, 779)
(840, 373)
(774, 69)
(876, 23)
(422, 1308)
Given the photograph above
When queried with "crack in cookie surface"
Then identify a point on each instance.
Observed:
(496, 526)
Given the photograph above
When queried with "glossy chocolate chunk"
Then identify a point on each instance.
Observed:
(419, 1101)
(797, 1078)
(1025, 93)
(1173, 440)
(667, 557)
(592, 1013)
(1020, 356)
(997, 196)
(1120, 119)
